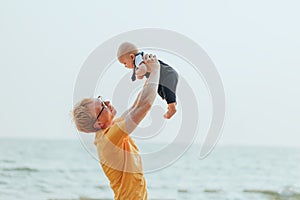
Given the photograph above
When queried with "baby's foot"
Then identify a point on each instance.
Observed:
(170, 113)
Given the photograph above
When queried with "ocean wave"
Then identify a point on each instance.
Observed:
(3, 183)
(182, 190)
(102, 186)
(83, 198)
(25, 169)
(212, 190)
(283, 194)
(7, 161)
(269, 192)
(87, 198)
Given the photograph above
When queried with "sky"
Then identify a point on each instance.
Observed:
(254, 45)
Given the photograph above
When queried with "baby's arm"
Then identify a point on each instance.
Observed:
(141, 70)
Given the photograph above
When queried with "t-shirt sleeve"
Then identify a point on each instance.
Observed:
(117, 132)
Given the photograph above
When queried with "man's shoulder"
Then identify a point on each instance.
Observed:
(119, 119)
(115, 133)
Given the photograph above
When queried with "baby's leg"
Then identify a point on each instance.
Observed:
(171, 110)
(170, 97)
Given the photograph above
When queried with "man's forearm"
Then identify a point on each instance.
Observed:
(149, 90)
(133, 105)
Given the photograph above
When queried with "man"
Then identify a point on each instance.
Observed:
(119, 156)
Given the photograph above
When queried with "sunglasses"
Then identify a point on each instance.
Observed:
(104, 106)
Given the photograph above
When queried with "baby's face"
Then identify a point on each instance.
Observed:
(128, 61)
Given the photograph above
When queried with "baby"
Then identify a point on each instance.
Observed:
(129, 55)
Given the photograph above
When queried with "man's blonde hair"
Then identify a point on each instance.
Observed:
(126, 48)
(82, 117)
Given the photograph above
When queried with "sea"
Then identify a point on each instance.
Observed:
(38, 169)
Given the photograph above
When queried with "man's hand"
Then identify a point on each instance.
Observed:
(151, 62)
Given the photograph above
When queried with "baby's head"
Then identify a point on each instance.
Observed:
(126, 54)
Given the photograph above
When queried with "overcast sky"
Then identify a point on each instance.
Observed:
(255, 46)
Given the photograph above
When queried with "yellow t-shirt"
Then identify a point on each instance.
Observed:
(121, 162)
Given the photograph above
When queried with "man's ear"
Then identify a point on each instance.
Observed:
(97, 125)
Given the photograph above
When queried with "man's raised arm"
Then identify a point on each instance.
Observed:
(146, 97)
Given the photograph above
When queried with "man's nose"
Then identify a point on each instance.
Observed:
(107, 103)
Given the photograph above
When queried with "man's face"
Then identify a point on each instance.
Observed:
(104, 111)
(127, 60)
